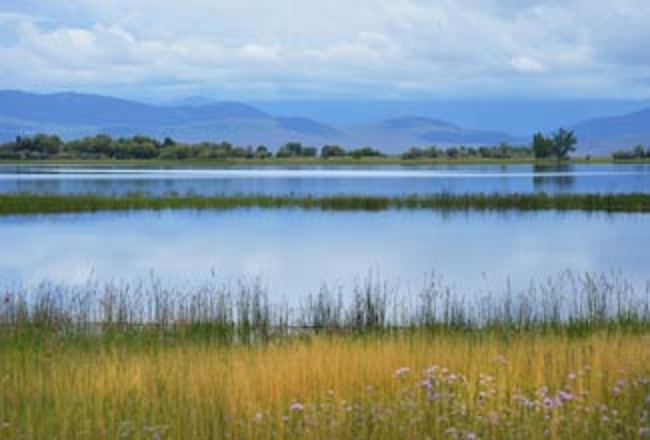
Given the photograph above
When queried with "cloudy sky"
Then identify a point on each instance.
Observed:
(257, 49)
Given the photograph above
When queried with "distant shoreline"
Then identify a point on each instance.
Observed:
(302, 161)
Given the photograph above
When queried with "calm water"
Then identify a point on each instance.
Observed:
(295, 252)
(388, 180)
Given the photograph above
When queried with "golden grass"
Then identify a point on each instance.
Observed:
(409, 386)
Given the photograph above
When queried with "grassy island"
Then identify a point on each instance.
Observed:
(27, 203)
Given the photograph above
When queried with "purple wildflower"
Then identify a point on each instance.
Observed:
(565, 395)
(551, 403)
(296, 406)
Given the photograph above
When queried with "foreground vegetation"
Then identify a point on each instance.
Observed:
(29, 203)
(410, 386)
(569, 358)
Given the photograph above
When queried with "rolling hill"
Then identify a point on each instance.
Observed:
(604, 135)
(74, 115)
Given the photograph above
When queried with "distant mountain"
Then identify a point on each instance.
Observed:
(604, 135)
(75, 115)
(193, 101)
(79, 109)
(517, 116)
(397, 134)
(195, 119)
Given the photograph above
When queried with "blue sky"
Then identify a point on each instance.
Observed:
(256, 49)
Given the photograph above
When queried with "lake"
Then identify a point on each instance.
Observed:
(372, 180)
(292, 252)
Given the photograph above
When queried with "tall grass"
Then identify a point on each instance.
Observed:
(569, 357)
(28, 203)
(412, 385)
(242, 313)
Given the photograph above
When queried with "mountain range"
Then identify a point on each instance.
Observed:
(74, 115)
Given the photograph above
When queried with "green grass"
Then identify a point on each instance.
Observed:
(29, 203)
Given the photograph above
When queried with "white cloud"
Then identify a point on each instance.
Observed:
(374, 47)
(526, 64)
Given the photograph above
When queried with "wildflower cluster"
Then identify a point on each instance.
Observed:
(441, 403)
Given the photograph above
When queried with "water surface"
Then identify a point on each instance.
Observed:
(373, 180)
(294, 252)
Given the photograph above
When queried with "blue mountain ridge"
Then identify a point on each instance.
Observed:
(74, 115)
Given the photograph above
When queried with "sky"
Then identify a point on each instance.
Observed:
(334, 49)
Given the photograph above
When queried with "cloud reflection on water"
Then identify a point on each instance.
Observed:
(294, 252)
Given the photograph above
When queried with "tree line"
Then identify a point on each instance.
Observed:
(101, 146)
(638, 152)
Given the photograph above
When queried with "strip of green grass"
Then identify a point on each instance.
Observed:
(28, 203)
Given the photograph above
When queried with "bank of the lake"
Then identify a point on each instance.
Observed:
(319, 162)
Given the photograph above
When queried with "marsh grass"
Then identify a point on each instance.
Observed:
(242, 313)
(29, 203)
(567, 357)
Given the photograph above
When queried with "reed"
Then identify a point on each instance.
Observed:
(242, 313)
(29, 203)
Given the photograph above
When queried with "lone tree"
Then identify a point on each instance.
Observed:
(564, 142)
(560, 144)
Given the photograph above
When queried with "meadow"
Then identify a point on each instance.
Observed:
(568, 358)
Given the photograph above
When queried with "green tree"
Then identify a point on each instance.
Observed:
(639, 152)
(432, 152)
(365, 152)
(412, 153)
(40, 146)
(290, 149)
(331, 151)
(49, 145)
(98, 146)
(262, 152)
(542, 146)
(453, 152)
(168, 142)
(175, 152)
(503, 151)
(564, 142)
